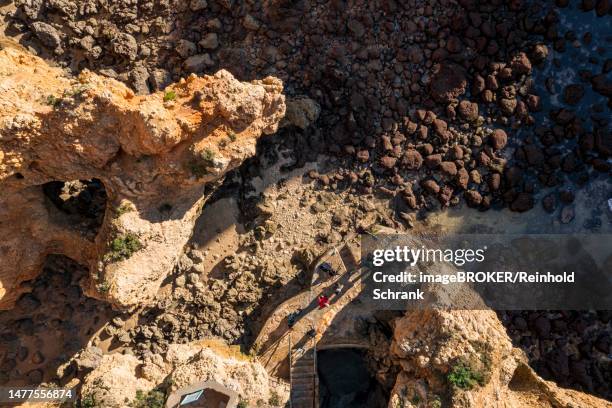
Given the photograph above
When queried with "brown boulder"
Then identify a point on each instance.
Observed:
(473, 198)
(572, 94)
(498, 139)
(412, 159)
(549, 203)
(468, 110)
(494, 181)
(448, 169)
(430, 186)
(433, 160)
(462, 178)
(440, 127)
(520, 64)
(602, 85)
(522, 202)
(507, 106)
(388, 162)
(448, 82)
(363, 156)
(533, 103)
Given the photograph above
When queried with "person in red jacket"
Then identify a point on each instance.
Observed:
(323, 301)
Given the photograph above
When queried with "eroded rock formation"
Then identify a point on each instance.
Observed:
(153, 155)
(118, 377)
(470, 352)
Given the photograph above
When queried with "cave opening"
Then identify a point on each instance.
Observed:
(81, 203)
(346, 380)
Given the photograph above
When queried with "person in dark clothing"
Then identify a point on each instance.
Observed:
(327, 268)
(292, 318)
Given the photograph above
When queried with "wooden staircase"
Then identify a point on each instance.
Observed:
(304, 380)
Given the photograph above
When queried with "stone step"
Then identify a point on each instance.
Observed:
(300, 381)
(307, 403)
(302, 361)
(297, 392)
(302, 364)
(301, 374)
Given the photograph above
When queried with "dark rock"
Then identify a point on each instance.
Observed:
(539, 53)
(533, 155)
(388, 162)
(558, 363)
(569, 163)
(468, 110)
(542, 327)
(549, 203)
(185, 48)
(125, 45)
(601, 84)
(197, 63)
(430, 186)
(139, 76)
(412, 160)
(410, 200)
(448, 82)
(473, 198)
(602, 8)
(566, 196)
(533, 103)
(90, 358)
(363, 156)
(478, 85)
(519, 323)
(603, 143)
(462, 178)
(521, 64)
(580, 374)
(448, 169)
(210, 41)
(440, 127)
(35, 377)
(498, 139)
(433, 160)
(356, 28)
(422, 133)
(47, 34)
(426, 149)
(507, 106)
(523, 202)
(494, 181)
(572, 94)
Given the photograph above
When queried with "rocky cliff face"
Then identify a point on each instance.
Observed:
(117, 377)
(470, 352)
(148, 157)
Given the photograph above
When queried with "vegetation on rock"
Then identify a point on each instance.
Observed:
(123, 247)
(151, 399)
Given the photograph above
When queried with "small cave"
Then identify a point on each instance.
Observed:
(571, 348)
(48, 326)
(345, 380)
(82, 203)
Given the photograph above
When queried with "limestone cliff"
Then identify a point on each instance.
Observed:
(464, 358)
(153, 155)
(118, 377)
